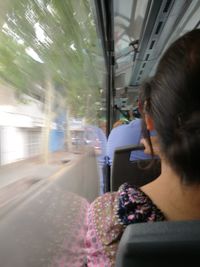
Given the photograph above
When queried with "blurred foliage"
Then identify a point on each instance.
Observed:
(56, 40)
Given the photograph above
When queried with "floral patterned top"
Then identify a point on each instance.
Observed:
(109, 215)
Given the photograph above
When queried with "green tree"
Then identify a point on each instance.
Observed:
(56, 40)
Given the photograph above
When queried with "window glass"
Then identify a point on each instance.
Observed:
(51, 79)
(52, 128)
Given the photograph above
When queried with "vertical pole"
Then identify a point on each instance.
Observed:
(48, 117)
(110, 55)
(105, 20)
(110, 76)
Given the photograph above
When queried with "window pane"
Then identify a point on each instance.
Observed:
(52, 123)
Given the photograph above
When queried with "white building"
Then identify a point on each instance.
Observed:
(20, 127)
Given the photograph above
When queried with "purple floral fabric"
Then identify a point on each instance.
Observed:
(109, 215)
(135, 206)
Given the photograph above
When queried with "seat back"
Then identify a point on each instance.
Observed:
(137, 172)
(160, 244)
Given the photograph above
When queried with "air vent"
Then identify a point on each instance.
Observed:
(147, 57)
(158, 27)
(152, 44)
(166, 8)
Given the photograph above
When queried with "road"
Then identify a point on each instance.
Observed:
(75, 175)
(44, 227)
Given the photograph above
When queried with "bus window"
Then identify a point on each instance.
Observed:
(52, 86)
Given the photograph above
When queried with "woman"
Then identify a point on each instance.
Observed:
(170, 104)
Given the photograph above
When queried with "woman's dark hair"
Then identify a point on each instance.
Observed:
(172, 99)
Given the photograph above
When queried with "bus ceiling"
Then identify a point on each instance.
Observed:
(134, 35)
(143, 29)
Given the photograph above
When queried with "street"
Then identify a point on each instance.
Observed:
(45, 224)
(69, 170)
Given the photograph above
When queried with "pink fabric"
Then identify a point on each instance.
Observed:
(95, 252)
(104, 231)
(108, 217)
(93, 231)
(72, 252)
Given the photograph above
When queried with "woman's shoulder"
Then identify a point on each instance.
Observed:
(105, 204)
(135, 206)
(128, 205)
(129, 199)
(109, 196)
(110, 213)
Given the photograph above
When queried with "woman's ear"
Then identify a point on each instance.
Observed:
(149, 122)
